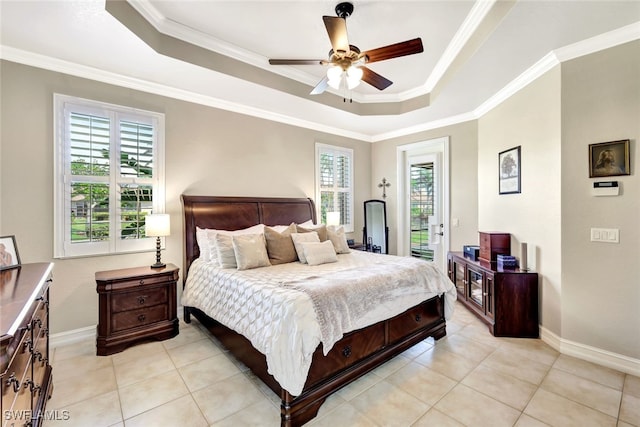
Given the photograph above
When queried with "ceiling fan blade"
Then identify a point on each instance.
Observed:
(337, 30)
(375, 79)
(396, 50)
(297, 61)
(320, 87)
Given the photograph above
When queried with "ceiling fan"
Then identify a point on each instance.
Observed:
(347, 62)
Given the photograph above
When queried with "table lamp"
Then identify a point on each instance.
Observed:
(157, 225)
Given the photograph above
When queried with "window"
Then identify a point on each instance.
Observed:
(109, 174)
(334, 183)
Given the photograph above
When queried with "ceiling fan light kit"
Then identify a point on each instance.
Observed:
(347, 63)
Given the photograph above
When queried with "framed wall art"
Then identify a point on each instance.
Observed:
(509, 171)
(9, 257)
(609, 159)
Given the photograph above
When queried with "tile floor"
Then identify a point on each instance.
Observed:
(469, 378)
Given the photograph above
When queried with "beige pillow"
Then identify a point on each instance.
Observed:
(321, 229)
(250, 251)
(225, 255)
(280, 247)
(211, 237)
(299, 238)
(338, 238)
(319, 253)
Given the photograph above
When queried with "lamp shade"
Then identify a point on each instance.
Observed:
(157, 225)
(333, 218)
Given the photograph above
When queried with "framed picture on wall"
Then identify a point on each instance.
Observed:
(609, 159)
(509, 171)
(9, 257)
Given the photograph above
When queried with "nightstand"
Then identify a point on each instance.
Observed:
(358, 246)
(135, 304)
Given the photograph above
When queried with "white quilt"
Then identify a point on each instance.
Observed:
(287, 310)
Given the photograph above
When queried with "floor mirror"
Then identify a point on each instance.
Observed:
(376, 231)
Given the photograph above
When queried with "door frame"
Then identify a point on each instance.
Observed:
(431, 146)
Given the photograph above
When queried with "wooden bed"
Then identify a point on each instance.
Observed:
(357, 353)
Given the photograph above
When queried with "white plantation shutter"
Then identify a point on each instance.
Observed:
(109, 174)
(334, 183)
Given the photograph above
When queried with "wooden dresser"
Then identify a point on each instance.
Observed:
(135, 304)
(26, 381)
(505, 299)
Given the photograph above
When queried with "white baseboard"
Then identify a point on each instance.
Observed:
(596, 355)
(71, 337)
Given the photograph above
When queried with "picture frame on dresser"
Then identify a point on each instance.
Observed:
(509, 171)
(9, 256)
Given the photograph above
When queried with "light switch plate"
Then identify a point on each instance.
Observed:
(606, 235)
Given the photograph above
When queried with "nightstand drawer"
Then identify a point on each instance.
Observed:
(131, 319)
(142, 298)
(119, 285)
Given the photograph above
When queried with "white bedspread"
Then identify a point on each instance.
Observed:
(287, 310)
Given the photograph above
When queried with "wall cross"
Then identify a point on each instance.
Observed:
(384, 184)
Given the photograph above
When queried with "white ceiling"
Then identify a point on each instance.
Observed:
(476, 53)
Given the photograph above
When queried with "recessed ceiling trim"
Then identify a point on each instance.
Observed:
(603, 41)
(469, 26)
(198, 38)
(91, 73)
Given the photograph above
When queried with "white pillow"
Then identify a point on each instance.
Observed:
(307, 224)
(203, 243)
(319, 253)
(211, 237)
(250, 251)
(338, 238)
(299, 238)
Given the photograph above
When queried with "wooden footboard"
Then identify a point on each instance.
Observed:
(356, 354)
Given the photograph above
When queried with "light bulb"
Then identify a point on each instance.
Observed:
(334, 74)
(354, 75)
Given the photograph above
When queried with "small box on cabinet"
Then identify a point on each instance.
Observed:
(494, 243)
(471, 252)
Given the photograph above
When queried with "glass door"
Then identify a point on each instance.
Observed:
(474, 290)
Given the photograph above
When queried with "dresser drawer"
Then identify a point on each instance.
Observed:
(413, 319)
(133, 318)
(143, 297)
(349, 350)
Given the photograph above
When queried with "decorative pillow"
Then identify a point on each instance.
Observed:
(308, 224)
(226, 256)
(338, 238)
(319, 253)
(211, 237)
(299, 238)
(280, 247)
(250, 251)
(203, 243)
(321, 229)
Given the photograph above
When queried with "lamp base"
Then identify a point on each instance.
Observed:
(158, 265)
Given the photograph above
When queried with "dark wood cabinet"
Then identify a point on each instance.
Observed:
(135, 304)
(505, 299)
(25, 373)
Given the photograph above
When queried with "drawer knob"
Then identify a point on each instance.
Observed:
(346, 352)
(142, 281)
(418, 317)
(142, 317)
(141, 300)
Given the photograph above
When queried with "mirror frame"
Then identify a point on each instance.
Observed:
(386, 227)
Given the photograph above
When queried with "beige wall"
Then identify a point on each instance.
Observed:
(601, 281)
(208, 152)
(530, 119)
(463, 167)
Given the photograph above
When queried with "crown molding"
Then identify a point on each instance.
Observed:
(552, 59)
(92, 73)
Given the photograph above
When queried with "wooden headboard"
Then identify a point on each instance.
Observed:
(235, 213)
